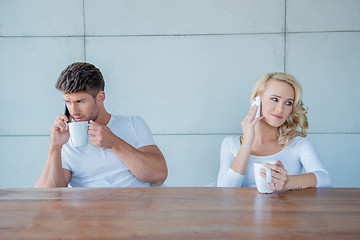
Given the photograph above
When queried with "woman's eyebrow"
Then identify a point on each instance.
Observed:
(274, 95)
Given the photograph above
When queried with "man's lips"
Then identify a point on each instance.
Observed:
(77, 119)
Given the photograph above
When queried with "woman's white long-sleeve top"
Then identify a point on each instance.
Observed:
(298, 155)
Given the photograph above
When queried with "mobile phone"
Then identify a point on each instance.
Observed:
(257, 102)
(67, 113)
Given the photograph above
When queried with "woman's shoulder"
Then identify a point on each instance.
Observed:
(299, 142)
(231, 141)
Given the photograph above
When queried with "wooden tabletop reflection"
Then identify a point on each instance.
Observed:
(179, 213)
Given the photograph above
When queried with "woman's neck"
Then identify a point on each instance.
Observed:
(264, 133)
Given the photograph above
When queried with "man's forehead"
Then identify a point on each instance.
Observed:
(76, 96)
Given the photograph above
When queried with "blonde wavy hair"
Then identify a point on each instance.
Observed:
(296, 124)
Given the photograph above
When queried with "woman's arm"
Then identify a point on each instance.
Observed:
(312, 163)
(248, 125)
(232, 171)
(283, 182)
(300, 181)
(315, 176)
(228, 177)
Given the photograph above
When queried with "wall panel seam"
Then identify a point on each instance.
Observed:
(84, 29)
(188, 134)
(174, 35)
(285, 35)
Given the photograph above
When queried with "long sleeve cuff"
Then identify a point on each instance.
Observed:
(231, 179)
(323, 178)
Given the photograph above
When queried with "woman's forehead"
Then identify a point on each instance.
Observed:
(279, 88)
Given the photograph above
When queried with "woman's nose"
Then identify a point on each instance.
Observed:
(280, 108)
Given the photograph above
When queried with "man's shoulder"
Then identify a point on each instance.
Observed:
(126, 119)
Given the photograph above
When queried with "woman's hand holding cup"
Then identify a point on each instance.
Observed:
(279, 176)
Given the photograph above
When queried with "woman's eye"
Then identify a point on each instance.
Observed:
(289, 103)
(274, 99)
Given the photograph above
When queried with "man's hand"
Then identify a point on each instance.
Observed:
(59, 134)
(102, 136)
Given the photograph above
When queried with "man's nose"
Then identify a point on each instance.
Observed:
(73, 109)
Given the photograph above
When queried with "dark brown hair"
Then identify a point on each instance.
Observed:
(81, 77)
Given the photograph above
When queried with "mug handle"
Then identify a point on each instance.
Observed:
(268, 175)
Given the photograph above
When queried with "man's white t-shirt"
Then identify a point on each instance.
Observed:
(299, 154)
(92, 166)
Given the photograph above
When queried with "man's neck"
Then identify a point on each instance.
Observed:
(104, 117)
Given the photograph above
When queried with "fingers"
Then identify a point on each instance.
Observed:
(250, 117)
(274, 188)
(279, 163)
(278, 175)
(94, 128)
(278, 166)
(257, 120)
(251, 114)
(60, 122)
(276, 185)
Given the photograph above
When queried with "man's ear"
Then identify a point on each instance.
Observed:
(100, 98)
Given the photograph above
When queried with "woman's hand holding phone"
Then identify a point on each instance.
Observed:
(249, 122)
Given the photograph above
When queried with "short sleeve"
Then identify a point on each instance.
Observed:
(142, 133)
(64, 162)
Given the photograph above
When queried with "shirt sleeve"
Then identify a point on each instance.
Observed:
(228, 177)
(142, 133)
(312, 163)
(65, 163)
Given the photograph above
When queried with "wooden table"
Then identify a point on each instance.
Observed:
(179, 213)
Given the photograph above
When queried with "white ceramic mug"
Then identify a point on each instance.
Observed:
(259, 180)
(79, 133)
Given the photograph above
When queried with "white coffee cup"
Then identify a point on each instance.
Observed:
(79, 133)
(259, 180)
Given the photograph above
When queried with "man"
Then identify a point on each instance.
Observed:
(121, 151)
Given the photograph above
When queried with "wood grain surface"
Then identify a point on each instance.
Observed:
(179, 213)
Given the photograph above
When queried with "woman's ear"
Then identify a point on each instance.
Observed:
(100, 98)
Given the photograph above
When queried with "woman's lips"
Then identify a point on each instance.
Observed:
(276, 116)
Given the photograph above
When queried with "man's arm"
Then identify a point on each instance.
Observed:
(146, 163)
(53, 175)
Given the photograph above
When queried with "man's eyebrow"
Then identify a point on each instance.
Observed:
(82, 99)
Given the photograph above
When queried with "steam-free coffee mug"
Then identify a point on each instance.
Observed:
(259, 180)
(79, 133)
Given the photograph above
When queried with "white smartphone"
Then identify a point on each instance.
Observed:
(257, 102)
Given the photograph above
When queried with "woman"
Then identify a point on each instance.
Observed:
(278, 135)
